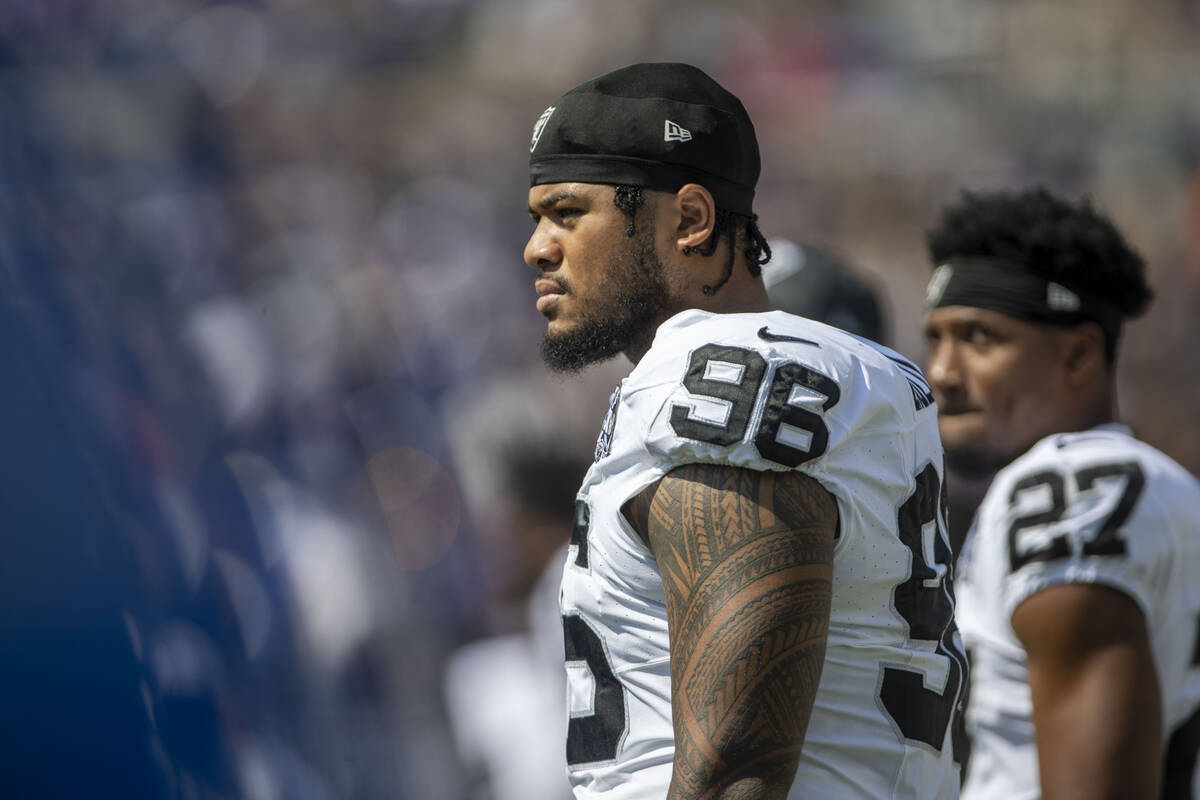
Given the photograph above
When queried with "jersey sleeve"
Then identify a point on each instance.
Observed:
(1081, 514)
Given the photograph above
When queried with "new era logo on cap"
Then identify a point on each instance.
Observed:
(673, 132)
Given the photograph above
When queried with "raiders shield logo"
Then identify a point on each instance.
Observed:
(937, 285)
(540, 126)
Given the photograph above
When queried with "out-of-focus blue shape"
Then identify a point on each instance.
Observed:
(74, 722)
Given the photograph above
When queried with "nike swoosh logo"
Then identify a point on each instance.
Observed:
(1062, 442)
(767, 336)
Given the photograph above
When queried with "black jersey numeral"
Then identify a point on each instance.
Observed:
(1107, 540)
(779, 412)
(595, 736)
(1057, 547)
(701, 379)
(926, 602)
(744, 371)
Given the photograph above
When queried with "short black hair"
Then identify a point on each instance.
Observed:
(737, 227)
(1059, 240)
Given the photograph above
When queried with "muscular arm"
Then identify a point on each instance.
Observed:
(746, 562)
(1096, 709)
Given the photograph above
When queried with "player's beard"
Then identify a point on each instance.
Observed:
(625, 315)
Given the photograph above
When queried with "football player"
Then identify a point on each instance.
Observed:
(1079, 598)
(758, 587)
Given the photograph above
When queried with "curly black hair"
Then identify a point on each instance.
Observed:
(1070, 243)
(738, 227)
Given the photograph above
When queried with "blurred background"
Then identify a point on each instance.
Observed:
(282, 472)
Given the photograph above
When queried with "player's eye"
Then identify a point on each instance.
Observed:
(980, 336)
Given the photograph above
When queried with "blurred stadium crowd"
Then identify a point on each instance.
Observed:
(277, 443)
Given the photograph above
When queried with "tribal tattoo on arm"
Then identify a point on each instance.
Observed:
(746, 562)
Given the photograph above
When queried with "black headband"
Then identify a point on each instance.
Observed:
(1012, 288)
(658, 126)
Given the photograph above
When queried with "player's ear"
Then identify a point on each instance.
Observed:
(697, 216)
(1085, 358)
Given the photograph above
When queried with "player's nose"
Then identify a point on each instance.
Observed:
(542, 251)
(945, 368)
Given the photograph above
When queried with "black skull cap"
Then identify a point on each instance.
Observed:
(655, 125)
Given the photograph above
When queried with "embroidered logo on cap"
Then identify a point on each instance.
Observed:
(540, 126)
(937, 284)
(1060, 298)
(673, 132)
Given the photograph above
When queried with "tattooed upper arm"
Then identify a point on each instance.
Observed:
(746, 562)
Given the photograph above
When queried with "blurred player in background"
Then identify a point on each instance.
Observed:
(1079, 598)
(715, 646)
(521, 450)
(812, 282)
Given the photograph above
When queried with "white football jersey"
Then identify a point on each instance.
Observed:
(1091, 507)
(772, 391)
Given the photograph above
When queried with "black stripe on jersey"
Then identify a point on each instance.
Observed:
(579, 533)
(1179, 760)
(921, 392)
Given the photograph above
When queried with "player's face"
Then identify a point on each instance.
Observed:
(1000, 384)
(601, 290)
